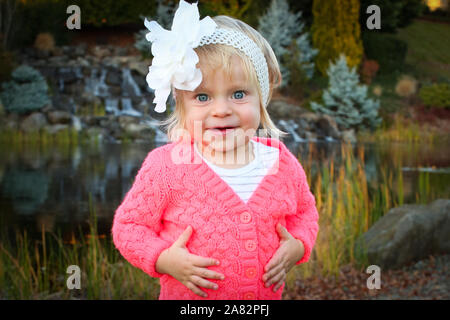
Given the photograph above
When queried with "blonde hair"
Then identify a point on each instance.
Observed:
(214, 55)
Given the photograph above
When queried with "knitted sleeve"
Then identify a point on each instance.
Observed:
(304, 224)
(137, 221)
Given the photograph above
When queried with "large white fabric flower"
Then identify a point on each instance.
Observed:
(174, 59)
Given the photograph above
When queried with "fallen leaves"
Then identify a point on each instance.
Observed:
(426, 279)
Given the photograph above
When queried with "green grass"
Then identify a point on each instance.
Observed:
(428, 48)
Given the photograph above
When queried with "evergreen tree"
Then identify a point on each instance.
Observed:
(336, 29)
(281, 28)
(26, 92)
(346, 101)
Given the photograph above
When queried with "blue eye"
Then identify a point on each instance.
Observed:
(202, 97)
(239, 94)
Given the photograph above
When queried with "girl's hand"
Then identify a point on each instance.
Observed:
(188, 268)
(290, 251)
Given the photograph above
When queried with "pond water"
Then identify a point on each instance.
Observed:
(52, 189)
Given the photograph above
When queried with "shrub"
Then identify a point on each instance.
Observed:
(436, 95)
(26, 92)
(369, 69)
(389, 51)
(44, 42)
(406, 86)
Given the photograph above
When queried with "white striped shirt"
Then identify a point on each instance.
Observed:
(246, 179)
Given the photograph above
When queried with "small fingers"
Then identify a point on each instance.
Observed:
(195, 289)
(210, 274)
(200, 261)
(278, 285)
(204, 283)
(271, 264)
(276, 278)
(272, 272)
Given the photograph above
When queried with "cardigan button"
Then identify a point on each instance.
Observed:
(250, 272)
(250, 245)
(245, 217)
(249, 296)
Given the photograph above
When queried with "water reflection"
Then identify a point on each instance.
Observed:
(49, 189)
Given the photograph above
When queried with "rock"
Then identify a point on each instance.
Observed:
(34, 122)
(88, 98)
(80, 50)
(58, 51)
(120, 51)
(136, 131)
(113, 77)
(58, 60)
(280, 109)
(328, 126)
(96, 133)
(348, 136)
(140, 66)
(99, 52)
(310, 117)
(56, 117)
(125, 120)
(407, 234)
(63, 102)
(67, 75)
(53, 129)
(94, 120)
(10, 122)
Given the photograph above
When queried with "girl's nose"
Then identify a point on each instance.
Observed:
(221, 107)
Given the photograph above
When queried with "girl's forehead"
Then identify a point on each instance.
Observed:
(234, 72)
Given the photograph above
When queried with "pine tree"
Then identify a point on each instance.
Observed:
(346, 100)
(336, 30)
(280, 28)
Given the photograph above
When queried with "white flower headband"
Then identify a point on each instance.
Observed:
(174, 59)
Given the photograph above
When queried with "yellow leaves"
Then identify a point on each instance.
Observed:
(336, 30)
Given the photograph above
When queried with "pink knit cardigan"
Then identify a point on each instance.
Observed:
(168, 195)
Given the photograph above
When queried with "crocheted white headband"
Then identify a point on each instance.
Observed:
(174, 59)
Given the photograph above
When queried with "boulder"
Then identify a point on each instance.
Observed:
(407, 234)
(139, 131)
(57, 116)
(328, 127)
(55, 128)
(34, 122)
(280, 109)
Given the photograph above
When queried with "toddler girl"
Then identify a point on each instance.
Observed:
(217, 213)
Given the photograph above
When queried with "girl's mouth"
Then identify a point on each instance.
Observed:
(222, 131)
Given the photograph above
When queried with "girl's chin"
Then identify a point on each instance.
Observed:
(225, 144)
